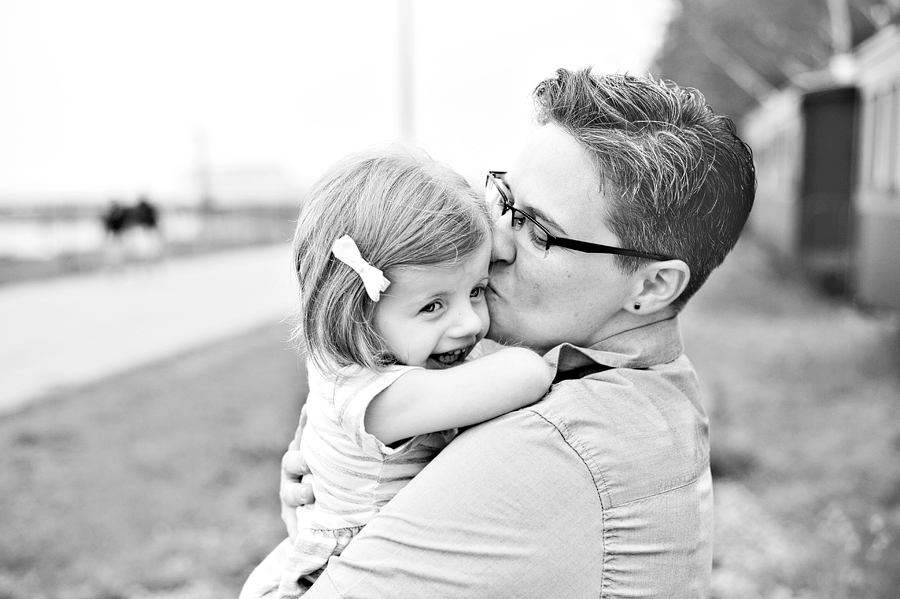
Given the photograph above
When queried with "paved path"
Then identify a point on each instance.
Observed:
(73, 330)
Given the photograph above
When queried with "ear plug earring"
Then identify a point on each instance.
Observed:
(637, 306)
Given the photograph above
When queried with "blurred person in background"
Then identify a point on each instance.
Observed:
(629, 193)
(132, 232)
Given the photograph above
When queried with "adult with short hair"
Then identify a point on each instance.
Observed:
(629, 193)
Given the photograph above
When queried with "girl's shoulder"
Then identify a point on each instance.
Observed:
(353, 383)
(356, 377)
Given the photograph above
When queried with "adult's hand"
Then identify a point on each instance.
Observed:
(293, 491)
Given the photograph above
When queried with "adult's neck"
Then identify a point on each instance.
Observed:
(619, 323)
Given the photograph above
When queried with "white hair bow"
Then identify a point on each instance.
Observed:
(345, 250)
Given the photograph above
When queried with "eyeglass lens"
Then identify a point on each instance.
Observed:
(526, 233)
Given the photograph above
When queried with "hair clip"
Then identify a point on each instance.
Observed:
(345, 250)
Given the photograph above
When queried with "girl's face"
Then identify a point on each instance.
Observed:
(433, 316)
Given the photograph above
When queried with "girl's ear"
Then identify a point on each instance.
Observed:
(657, 285)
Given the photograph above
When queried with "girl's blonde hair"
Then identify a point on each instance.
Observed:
(403, 209)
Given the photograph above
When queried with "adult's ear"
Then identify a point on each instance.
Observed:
(657, 285)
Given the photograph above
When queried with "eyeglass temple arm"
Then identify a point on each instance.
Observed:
(594, 248)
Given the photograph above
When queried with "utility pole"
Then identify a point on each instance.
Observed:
(203, 172)
(841, 29)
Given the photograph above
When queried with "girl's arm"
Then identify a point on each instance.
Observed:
(425, 401)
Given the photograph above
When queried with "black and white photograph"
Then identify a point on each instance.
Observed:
(413, 299)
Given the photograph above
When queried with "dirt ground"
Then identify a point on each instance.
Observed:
(134, 486)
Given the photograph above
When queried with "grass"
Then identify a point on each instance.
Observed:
(162, 482)
(804, 396)
(159, 482)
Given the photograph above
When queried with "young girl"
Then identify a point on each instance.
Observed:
(392, 252)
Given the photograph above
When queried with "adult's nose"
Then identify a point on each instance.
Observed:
(503, 243)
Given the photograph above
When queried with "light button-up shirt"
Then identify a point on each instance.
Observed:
(601, 489)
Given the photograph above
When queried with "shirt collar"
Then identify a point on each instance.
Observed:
(641, 347)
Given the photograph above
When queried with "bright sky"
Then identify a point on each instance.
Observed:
(105, 98)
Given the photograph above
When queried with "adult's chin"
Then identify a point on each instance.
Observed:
(500, 331)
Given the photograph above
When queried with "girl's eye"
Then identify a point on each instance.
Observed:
(477, 292)
(432, 307)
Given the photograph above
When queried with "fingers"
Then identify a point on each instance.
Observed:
(293, 466)
(293, 492)
(296, 494)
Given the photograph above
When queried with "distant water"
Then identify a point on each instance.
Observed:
(36, 240)
(32, 239)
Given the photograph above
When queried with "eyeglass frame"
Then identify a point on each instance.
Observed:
(564, 242)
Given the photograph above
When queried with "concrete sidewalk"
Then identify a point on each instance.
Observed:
(73, 330)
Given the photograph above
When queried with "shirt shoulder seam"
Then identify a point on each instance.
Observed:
(566, 435)
(587, 466)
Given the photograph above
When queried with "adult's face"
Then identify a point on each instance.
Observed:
(566, 296)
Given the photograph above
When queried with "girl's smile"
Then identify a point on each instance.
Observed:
(450, 358)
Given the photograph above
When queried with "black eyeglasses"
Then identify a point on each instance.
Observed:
(535, 237)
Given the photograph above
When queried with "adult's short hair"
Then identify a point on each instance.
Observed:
(677, 178)
(402, 209)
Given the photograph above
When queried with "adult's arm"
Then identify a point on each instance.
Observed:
(508, 509)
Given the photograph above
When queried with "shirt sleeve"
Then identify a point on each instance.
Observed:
(352, 399)
(482, 520)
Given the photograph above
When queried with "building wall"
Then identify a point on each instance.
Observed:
(775, 133)
(877, 194)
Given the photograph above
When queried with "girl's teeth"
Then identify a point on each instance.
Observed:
(450, 357)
